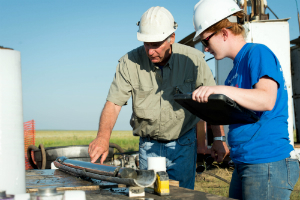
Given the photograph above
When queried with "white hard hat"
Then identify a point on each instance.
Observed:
(210, 12)
(156, 24)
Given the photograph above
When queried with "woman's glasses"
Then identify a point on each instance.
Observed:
(205, 41)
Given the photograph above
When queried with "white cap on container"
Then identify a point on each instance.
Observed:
(157, 163)
(74, 195)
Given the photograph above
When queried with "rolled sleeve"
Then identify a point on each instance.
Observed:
(120, 90)
(263, 62)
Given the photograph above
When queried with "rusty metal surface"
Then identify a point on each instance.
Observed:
(95, 190)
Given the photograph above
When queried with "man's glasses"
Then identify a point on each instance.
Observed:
(205, 41)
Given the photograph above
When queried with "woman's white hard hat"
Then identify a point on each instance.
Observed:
(210, 12)
(156, 24)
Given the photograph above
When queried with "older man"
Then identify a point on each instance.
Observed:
(151, 74)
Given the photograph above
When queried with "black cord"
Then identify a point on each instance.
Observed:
(210, 59)
(272, 12)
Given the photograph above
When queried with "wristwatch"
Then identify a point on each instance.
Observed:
(222, 138)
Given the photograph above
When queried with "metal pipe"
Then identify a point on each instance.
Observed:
(90, 167)
(272, 12)
(127, 176)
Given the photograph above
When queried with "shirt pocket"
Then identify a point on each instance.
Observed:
(178, 111)
(142, 96)
(143, 104)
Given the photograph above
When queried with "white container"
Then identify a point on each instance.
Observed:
(157, 163)
(74, 195)
(25, 196)
(12, 155)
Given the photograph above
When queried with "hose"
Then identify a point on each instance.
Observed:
(113, 145)
(216, 176)
(29, 149)
(203, 169)
(43, 152)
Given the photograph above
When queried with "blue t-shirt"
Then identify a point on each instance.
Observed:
(268, 139)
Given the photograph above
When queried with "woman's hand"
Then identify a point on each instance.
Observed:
(202, 93)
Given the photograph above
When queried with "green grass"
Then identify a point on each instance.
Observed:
(124, 139)
(128, 142)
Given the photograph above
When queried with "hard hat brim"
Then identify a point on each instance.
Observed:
(153, 38)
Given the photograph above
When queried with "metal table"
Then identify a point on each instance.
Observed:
(101, 189)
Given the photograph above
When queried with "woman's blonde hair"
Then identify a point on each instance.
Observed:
(236, 28)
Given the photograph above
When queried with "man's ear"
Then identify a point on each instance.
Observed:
(172, 37)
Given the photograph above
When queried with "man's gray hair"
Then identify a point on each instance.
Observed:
(169, 38)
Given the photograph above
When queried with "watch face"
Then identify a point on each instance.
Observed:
(223, 138)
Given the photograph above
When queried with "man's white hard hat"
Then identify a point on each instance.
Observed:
(156, 24)
(210, 12)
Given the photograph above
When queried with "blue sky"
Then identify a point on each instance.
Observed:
(70, 49)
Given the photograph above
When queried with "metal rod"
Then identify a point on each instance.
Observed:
(299, 22)
(272, 12)
(127, 176)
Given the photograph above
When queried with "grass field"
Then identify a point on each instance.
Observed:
(125, 139)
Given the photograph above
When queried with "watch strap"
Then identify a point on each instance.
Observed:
(221, 138)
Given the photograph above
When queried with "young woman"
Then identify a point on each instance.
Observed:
(264, 167)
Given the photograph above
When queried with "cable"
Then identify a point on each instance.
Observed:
(272, 12)
(210, 59)
(29, 149)
(298, 15)
(216, 176)
(297, 6)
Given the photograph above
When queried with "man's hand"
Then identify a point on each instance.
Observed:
(219, 151)
(98, 147)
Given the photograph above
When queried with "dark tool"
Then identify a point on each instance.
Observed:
(219, 110)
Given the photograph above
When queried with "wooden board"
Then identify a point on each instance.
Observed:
(62, 181)
(103, 190)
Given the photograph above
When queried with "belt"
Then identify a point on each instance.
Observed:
(160, 141)
(163, 141)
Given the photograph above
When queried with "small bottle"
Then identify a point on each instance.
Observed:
(4, 196)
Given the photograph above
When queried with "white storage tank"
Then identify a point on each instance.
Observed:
(12, 158)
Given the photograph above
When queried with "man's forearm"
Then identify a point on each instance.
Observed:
(108, 119)
(217, 130)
